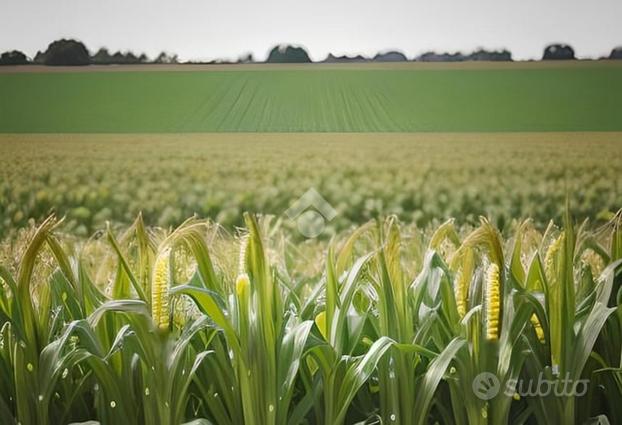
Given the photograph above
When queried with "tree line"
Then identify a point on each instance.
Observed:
(69, 52)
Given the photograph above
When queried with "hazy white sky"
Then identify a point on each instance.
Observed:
(207, 29)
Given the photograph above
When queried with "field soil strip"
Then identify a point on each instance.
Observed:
(219, 67)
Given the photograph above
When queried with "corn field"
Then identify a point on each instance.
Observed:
(385, 323)
(420, 178)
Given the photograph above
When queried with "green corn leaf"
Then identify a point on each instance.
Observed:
(433, 377)
(357, 374)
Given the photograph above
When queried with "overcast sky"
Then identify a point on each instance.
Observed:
(207, 29)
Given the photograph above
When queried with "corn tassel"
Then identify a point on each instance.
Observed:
(550, 257)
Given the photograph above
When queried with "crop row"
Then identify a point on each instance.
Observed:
(384, 323)
(422, 179)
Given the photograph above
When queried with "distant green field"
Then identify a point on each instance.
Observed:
(574, 98)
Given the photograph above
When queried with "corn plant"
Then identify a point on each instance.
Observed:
(570, 325)
(193, 326)
(606, 245)
(409, 374)
(265, 341)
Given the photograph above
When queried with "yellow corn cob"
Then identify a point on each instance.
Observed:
(461, 283)
(460, 291)
(538, 327)
(320, 322)
(492, 302)
(554, 298)
(160, 290)
(242, 283)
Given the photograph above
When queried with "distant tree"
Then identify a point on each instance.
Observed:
(66, 52)
(131, 58)
(478, 55)
(39, 58)
(344, 59)
(288, 54)
(487, 55)
(616, 53)
(247, 58)
(166, 58)
(14, 57)
(558, 52)
(102, 57)
(118, 58)
(441, 57)
(392, 56)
